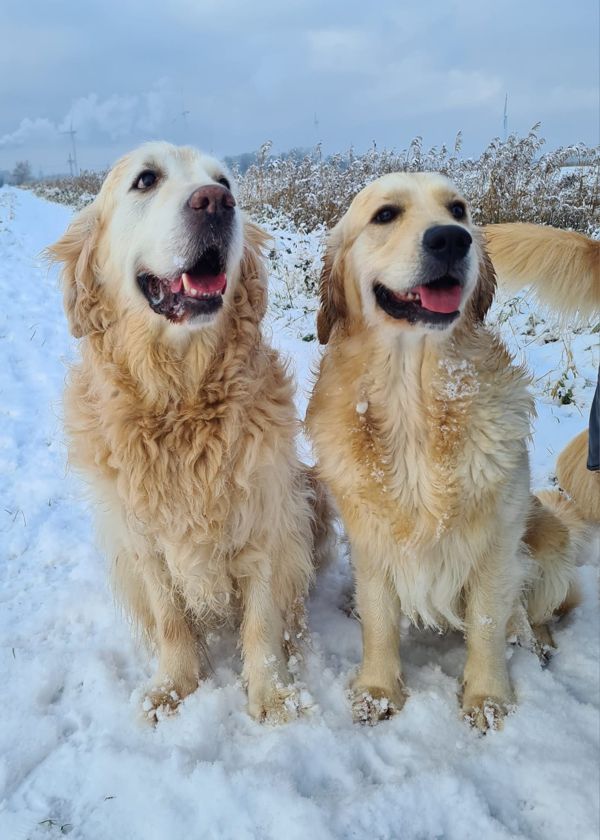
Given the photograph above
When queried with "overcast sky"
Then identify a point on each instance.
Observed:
(226, 75)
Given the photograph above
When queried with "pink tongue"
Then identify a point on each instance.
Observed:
(205, 284)
(439, 300)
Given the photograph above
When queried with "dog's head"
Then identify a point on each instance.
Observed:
(405, 257)
(164, 237)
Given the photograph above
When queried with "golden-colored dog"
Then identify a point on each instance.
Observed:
(563, 269)
(182, 418)
(419, 421)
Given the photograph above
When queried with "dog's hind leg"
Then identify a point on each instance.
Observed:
(555, 536)
(536, 638)
(129, 589)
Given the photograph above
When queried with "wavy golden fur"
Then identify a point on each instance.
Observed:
(420, 432)
(581, 484)
(562, 266)
(563, 269)
(186, 433)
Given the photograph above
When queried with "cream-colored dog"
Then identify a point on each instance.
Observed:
(183, 420)
(419, 421)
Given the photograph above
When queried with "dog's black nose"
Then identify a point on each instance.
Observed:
(449, 243)
(211, 199)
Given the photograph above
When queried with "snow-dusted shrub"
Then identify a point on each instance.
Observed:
(510, 181)
(75, 191)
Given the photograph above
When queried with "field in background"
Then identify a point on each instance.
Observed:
(511, 181)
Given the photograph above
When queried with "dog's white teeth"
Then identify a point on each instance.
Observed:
(186, 283)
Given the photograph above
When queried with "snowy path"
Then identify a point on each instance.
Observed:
(75, 760)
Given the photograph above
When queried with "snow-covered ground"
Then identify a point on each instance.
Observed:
(74, 757)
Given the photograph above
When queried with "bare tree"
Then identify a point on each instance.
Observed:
(22, 172)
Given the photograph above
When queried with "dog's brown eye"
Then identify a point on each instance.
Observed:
(458, 210)
(145, 180)
(223, 180)
(385, 215)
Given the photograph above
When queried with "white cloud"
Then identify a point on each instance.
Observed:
(116, 117)
(29, 131)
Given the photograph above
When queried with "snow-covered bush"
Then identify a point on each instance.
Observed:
(510, 181)
(75, 191)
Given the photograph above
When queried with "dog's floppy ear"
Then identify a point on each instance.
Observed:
(76, 250)
(332, 298)
(253, 273)
(483, 296)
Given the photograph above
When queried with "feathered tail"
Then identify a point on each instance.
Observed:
(562, 266)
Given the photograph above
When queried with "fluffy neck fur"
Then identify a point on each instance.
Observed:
(409, 408)
(163, 372)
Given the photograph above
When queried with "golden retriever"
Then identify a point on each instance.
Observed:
(563, 269)
(419, 421)
(182, 418)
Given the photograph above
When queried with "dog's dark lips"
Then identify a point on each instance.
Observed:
(442, 297)
(197, 291)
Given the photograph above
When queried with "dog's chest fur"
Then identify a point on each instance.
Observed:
(417, 444)
(185, 465)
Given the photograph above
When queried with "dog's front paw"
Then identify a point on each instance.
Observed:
(274, 703)
(370, 704)
(163, 698)
(160, 701)
(486, 713)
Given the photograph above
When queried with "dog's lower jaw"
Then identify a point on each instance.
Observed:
(178, 307)
(411, 311)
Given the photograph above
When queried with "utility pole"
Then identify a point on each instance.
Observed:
(73, 162)
(506, 117)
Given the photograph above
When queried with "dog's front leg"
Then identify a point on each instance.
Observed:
(490, 598)
(270, 696)
(178, 671)
(378, 691)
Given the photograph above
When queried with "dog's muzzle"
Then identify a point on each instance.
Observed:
(435, 300)
(198, 290)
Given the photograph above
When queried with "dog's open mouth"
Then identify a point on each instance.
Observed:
(197, 291)
(436, 303)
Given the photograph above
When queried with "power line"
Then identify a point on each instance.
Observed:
(72, 161)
